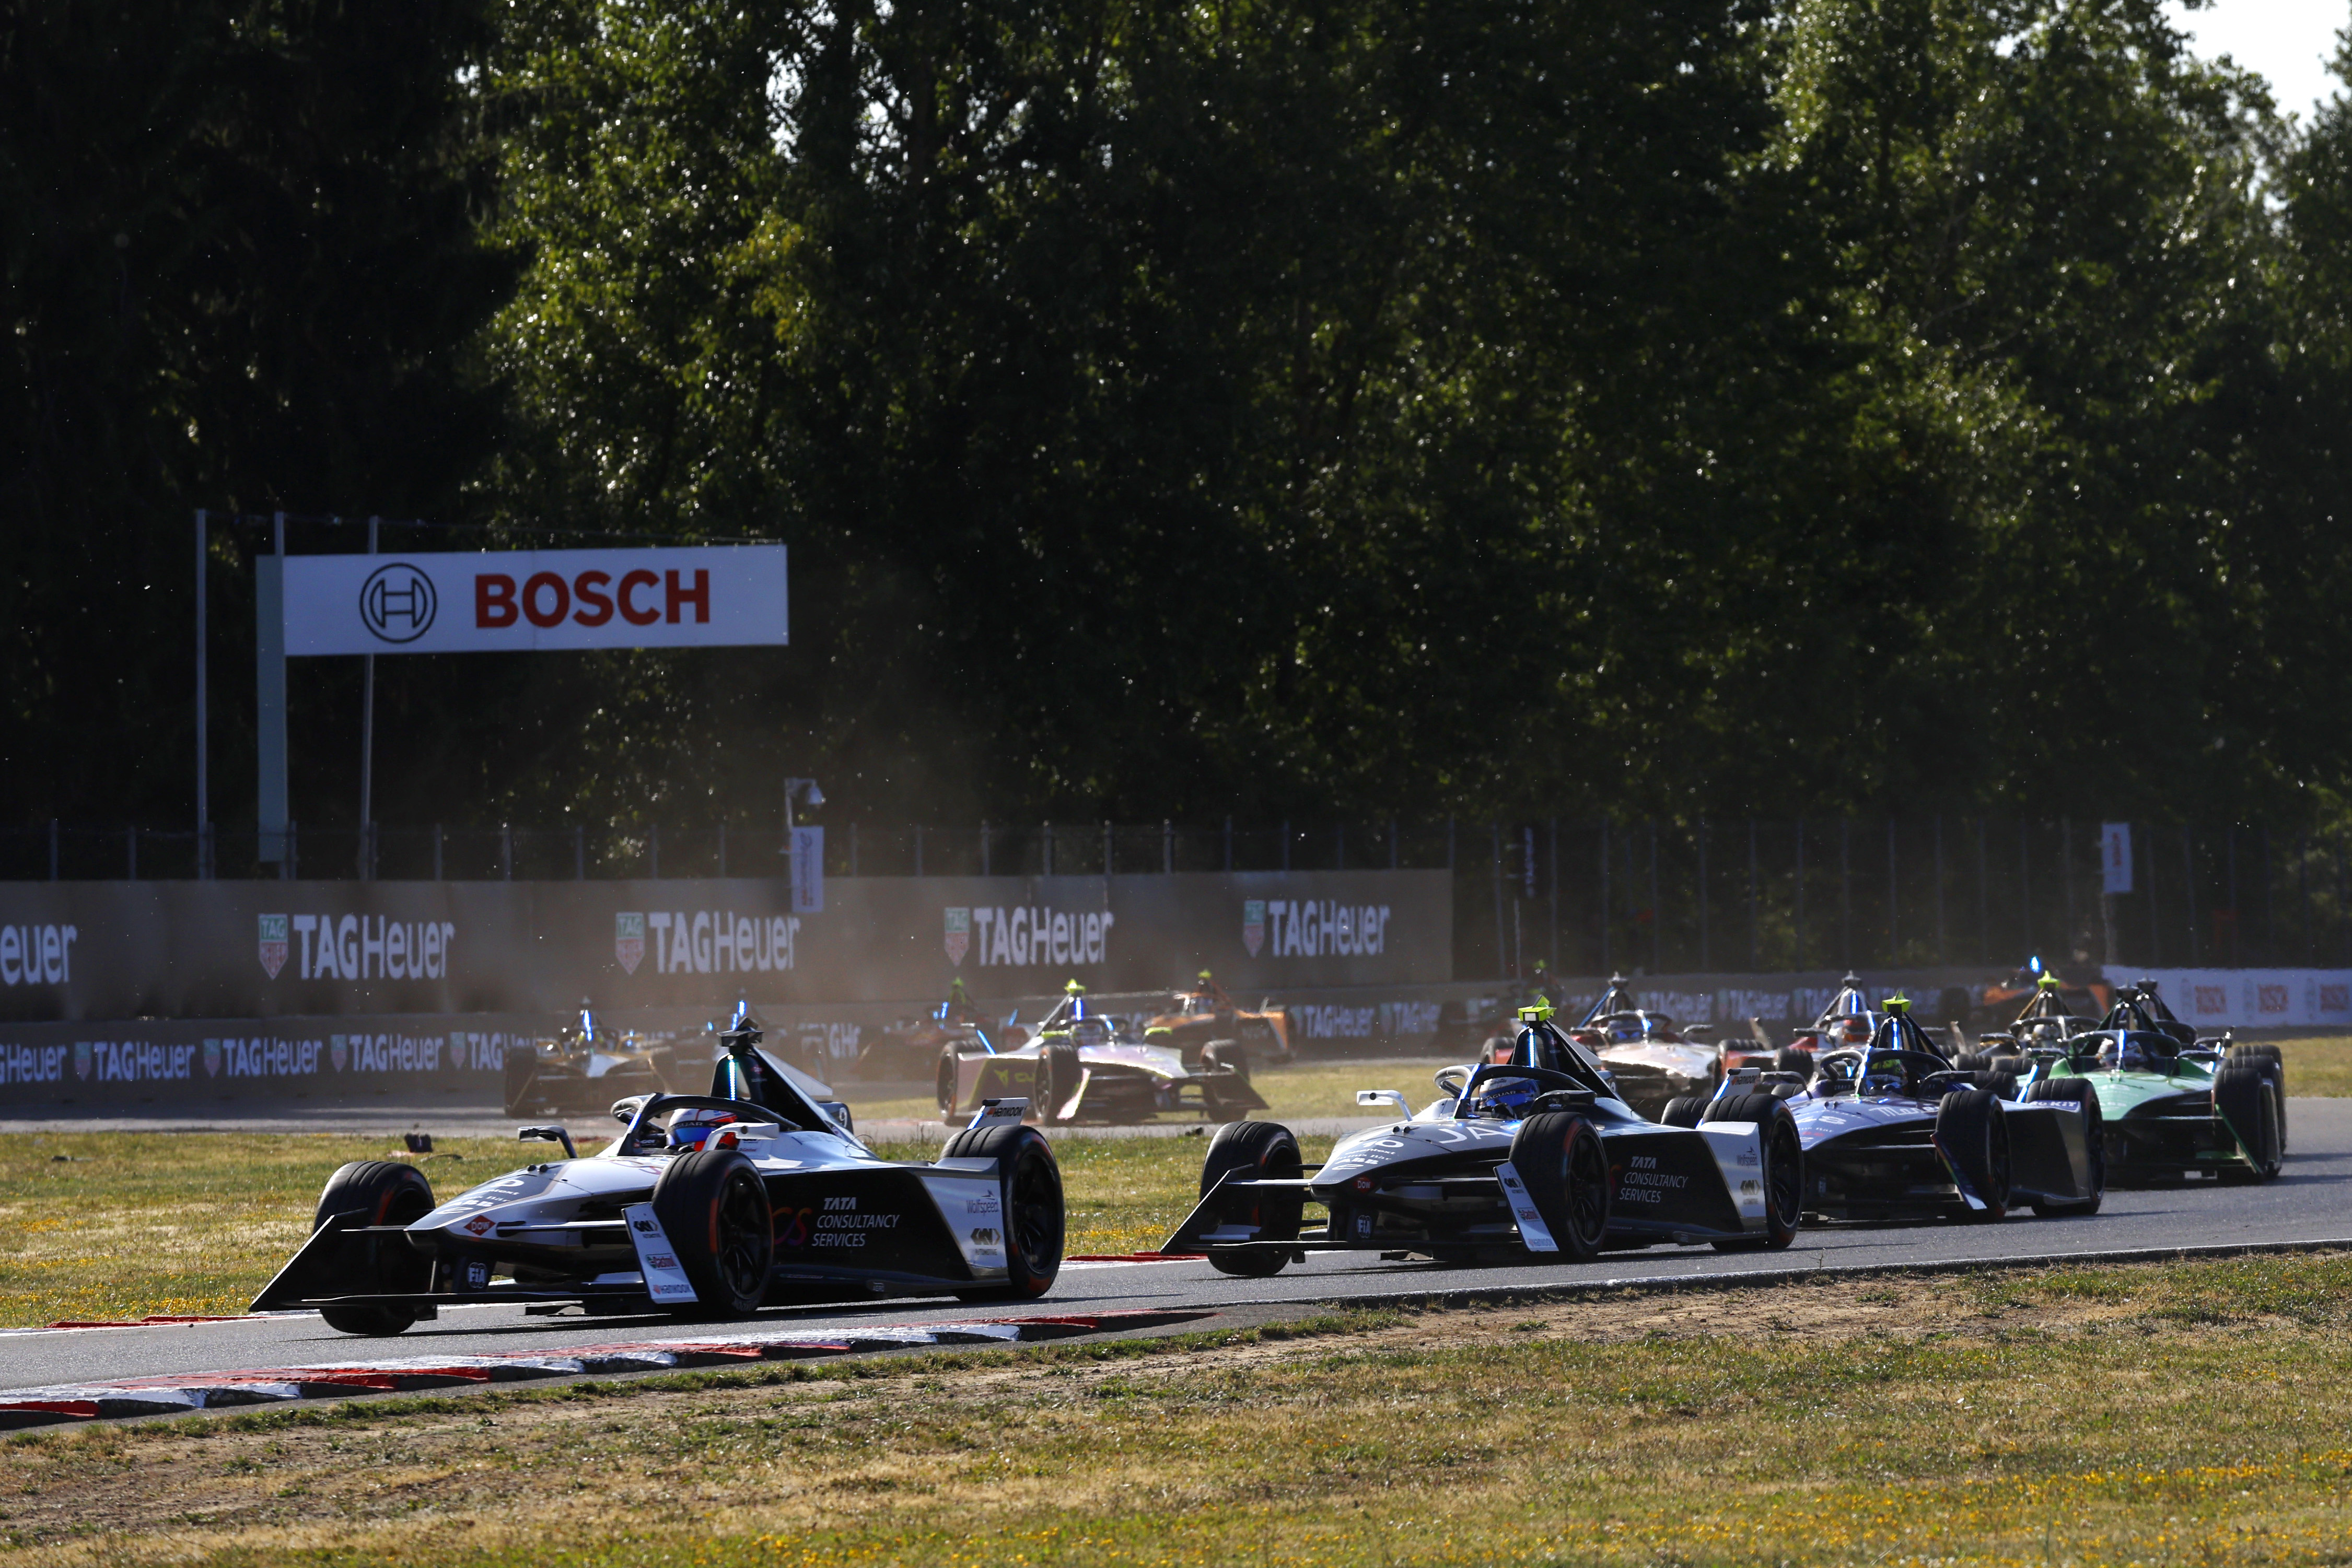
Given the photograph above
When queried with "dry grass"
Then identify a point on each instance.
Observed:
(2174, 1414)
(2321, 1066)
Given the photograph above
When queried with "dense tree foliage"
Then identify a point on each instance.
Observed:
(1703, 406)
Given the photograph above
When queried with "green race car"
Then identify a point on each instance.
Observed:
(2170, 1107)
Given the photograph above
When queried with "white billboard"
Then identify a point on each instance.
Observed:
(511, 601)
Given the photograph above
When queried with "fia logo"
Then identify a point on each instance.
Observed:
(397, 602)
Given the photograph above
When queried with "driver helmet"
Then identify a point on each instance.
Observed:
(1507, 1098)
(2125, 1051)
(692, 1128)
(1089, 1032)
(1624, 1029)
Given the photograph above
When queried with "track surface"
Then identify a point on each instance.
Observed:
(2306, 1204)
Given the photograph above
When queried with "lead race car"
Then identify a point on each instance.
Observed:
(1532, 1157)
(1084, 1066)
(1895, 1131)
(706, 1206)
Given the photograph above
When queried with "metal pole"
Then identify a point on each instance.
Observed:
(580, 850)
(1845, 892)
(1497, 831)
(1606, 968)
(1286, 843)
(437, 851)
(505, 851)
(2025, 886)
(1393, 844)
(1048, 851)
(1229, 847)
(2188, 894)
(2302, 886)
(2066, 880)
(1705, 953)
(2232, 842)
(1554, 842)
(1657, 915)
(2155, 955)
(53, 849)
(1942, 950)
(1753, 958)
(204, 781)
(131, 853)
(983, 850)
(918, 849)
(1984, 899)
(1799, 956)
(367, 743)
(1894, 931)
(1167, 845)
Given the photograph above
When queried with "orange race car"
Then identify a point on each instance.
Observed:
(1206, 1012)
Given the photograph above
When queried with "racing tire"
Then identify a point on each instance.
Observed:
(1682, 1111)
(1783, 1175)
(1498, 1048)
(2247, 1106)
(1256, 1149)
(1973, 1134)
(1029, 1185)
(946, 1087)
(1059, 1072)
(1970, 1061)
(714, 1209)
(2083, 1092)
(384, 1192)
(2274, 1063)
(1789, 1058)
(1999, 1081)
(1559, 1154)
(522, 1079)
(1222, 1053)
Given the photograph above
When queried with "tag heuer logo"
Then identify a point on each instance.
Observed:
(1254, 924)
(81, 1059)
(212, 1058)
(959, 934)
(629, 940)
(339, 1046)
(273, 944)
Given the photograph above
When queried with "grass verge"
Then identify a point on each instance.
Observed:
(2183, 1413)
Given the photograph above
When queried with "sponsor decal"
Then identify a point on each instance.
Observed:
(721, 942)
(959, 934)
(2336, 998)
(32, 1063)
(661, 1260)
(987, 1205)
(1026, 936)
(657, 1258)
(842, 1224)
(273, 944)
(81, 1059)
(1321, 927)
(212, 1058)
(133, 1061)
(397, 603)
(476, 1274)
(339, 1044)
(2270, 998)
(985, 1236)
(372, 947)
(648, 1226)
(1254, 924)
(37, 955)
(629, 939)
(1534, 1234)
(1643, 1182)
(2210, 1000)
(480, 1225)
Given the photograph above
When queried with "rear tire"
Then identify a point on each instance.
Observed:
(1973, 1134)
(1682, 1111)
(1222, 1053)
(1253, 1149)
(1029, 1183)
(2247, 1106)
(947, 1079)
(1558, 1155)
(1783, 1175)
(1788, 1059)
(384, 1192)
(2078, 1092)
(1058, 1075)
(714, 1209)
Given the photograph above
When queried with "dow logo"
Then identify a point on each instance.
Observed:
(397, 602)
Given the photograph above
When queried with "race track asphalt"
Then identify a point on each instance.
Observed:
(2306, 1204)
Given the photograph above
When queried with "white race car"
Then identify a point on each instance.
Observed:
(707, 1206)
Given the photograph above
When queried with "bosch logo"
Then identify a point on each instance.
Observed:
(397, 602)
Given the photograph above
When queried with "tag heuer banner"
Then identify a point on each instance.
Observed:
(481, 602)
(326, 949)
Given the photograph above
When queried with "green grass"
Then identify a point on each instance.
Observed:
(2321, 1066)
(2162, 1414)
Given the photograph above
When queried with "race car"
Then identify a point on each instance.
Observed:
(1532, 1158)
(2208, 1107)
(1648, 1058)
(706, 1206)
(2046, 1021)
(1895, 1131)
(908, 1050)
(1084, 1066)
(1994, 1003)
(587, 1064)
(1845, 1024)
(1206, 1014)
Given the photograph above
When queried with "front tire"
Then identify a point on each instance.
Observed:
(714, 1209)
(1560, 1156)
(1973, 1134)
(1029, 1185)
(1250, 1150)
(947, 1081)
(1682, 1111)
(2083, 1092)
(2247, 1106)
(1219, 1054)
(1058, 1075)
(1783, 1175)
(383, 1192)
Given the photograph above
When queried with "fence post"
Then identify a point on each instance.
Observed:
(1706, 966)
(2155, 943)
(2230, 837)
(983, 849)
(437, 851)
(1754, 958)
(53, 849)
(1894, 928)
(1496, 828)
(2189, 892)
(131, 845)
(1799, 963)
(1229, 844)
(506, 851)
(1606, 968)
(652, 849)
(1105, 848)
(2025, 884)
(1984, 898)
(1286, 843)
(1167, 845)
(1449, 842)
(1943, 948)
(580, 850)
(918, 849)
(1658, 914)
(1049, 849)
(1554, 828)
(1845, 892)
(1392, 844)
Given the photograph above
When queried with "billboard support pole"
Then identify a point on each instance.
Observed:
(275, 847)
(367, 753)
(203, 782)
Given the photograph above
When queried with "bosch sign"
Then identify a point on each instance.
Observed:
(721, 596)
